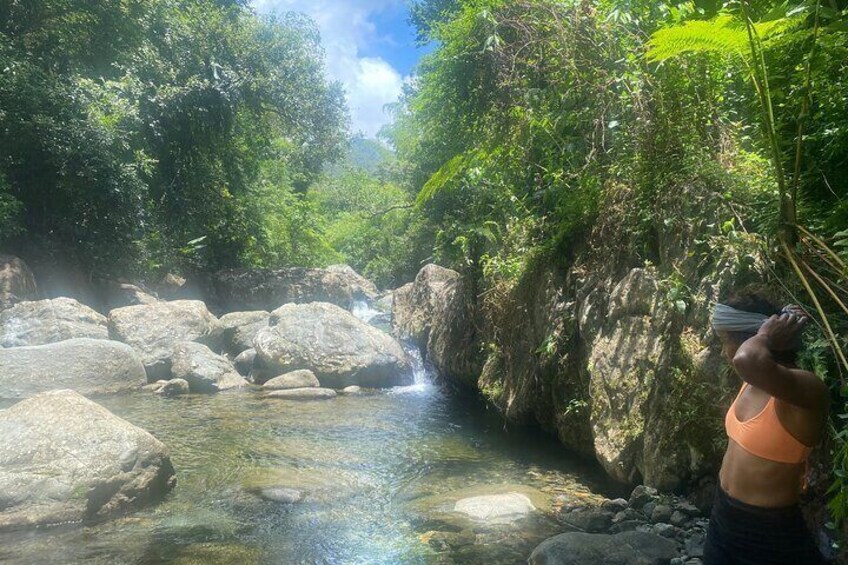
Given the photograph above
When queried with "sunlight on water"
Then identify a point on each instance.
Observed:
(349, 480)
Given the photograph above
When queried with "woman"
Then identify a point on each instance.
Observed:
(776, 419)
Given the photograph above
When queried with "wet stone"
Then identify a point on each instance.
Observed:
(282, 495)
(592, 521)
(661, 513)
(641, 495)
(695, 545)
(678, 518)
(614, 505)
(625, 526)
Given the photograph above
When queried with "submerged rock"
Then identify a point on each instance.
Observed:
(64, 458)
(339, 348)
(47, 321)
(88, 366)
(17, 283)
(239, 328)
(626, 548)
(303, 394)
(496, 508)
(281, 494)
(204, 370)
(153, 329)
(173, 387)
(296, 379)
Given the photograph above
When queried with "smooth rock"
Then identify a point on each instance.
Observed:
(153, 329)
(661, 513)
(627, 548)
(641, 495)
(339, 348)
(496, 508)
(303, 394)
(694, 545)
(88, 366)
(281, 494)
(245, 361)
(614, 505)
(592, 521)
(64, 458)
(174, 387)
(266, 289)
(17, 283)
(352, 390)
(239, 328)
(204, 370)
(48, 321)
(296, 379)
(678, 518)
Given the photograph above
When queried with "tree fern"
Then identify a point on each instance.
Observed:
(724, 35)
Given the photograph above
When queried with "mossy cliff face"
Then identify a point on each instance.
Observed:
(619, 363)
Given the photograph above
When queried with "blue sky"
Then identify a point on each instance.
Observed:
(370, 48)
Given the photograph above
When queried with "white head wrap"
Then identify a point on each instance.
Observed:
(728, 319)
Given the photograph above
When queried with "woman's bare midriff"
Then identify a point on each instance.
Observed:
(758, 481)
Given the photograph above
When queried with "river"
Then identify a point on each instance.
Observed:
(363, 473)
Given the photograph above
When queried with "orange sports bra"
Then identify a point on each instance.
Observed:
(764, 435)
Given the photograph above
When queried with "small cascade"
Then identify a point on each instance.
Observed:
(363, 310)
(423, 374)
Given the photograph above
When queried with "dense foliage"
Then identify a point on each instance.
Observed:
(143, 134)
(539, 126)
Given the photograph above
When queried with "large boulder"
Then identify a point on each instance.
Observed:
(17, 283)
(89, 366)
(239, 328)
(339, 348)
(204, 370)
(115, 294)
(153, 329)
(47, 321)
(626, 548)
(414, 304)
(64, 459)
(266, 289)
(453, 344)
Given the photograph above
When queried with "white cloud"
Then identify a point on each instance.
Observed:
(346, 27)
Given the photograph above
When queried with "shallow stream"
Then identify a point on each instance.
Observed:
(367, 469)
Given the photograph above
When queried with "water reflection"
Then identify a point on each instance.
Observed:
(362, 467)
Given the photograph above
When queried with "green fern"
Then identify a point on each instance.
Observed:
(724, 35)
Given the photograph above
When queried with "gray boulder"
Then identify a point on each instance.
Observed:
(626, 548)
(17, 283)
(266, 289)
(413, 305)
(339, 348)
(204, 370)
(153, 329)
(64, 458)
(239, 328)
(88, 366)
(244, 361)
(296, 379)
(303, 394)
(47, 321)
(173, 387)
(120, 294)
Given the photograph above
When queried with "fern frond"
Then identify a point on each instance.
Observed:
(442, 178)
(723, 35)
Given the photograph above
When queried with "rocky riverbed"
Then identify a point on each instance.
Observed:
(157, 431)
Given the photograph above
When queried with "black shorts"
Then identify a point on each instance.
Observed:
(742, 534)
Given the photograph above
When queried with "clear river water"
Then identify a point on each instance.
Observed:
(358, 479)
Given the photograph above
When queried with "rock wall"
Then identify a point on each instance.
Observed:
(620, 365)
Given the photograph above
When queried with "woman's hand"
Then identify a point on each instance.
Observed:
(783, 331)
